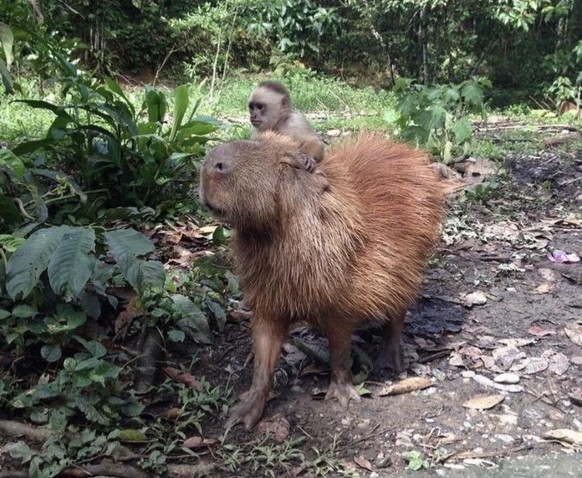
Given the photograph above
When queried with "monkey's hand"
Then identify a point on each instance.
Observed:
(309, 162)
(248, 411)
(301, 161)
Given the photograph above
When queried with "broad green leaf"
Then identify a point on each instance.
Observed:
(50, 352)
(151, 276)
(4, 314)
(472, 93)
(6, 77)
(10, 160)
(58, 110)
(72, 263)
(181, 101)
(113, 86)
(155, 104)
(19, 450)
(462, 130)
(124, 242)
(24, 311)
(31, 259)
(176, 335)
(7, 41)
(193, 321)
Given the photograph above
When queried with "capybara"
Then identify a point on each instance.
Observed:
(335, 256)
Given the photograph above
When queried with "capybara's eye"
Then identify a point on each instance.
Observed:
(219, 167)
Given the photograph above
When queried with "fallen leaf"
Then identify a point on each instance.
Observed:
(172, 413)
(126, 316)
(576, 396)
(564, 435)
(574, 333)
(576, 360)
(405, 386)
(277, 425)
(199, 442)
(484, 402)
(534, 365)
(456, 360)
(363, 463)
(516, 342)
(559, 363)
(562, 257)
(544, 288)
(539, 332)
(506, 356)
(183, 377)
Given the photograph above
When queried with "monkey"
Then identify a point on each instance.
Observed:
(336, 258)
(270, 110)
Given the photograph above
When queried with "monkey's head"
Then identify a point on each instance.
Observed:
(252, 184)
(268, 101)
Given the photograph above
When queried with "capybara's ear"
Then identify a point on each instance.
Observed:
(295, 159)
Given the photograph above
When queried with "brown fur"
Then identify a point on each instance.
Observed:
(354, 252)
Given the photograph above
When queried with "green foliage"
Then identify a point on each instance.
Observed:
(416, 461)
(437, 117)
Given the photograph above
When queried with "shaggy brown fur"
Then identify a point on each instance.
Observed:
(336, 257)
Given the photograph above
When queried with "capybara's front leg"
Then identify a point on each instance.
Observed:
(268, 336)
(340, 351)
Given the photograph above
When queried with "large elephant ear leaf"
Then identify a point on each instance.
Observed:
(72, 262)
(31, 259)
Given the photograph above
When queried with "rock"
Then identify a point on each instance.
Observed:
(507, 378)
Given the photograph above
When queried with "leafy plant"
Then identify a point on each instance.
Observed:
(437, 117)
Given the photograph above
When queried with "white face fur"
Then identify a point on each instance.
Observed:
(265, 107)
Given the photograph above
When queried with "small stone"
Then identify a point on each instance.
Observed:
(505, 438)
(334, 133)
(507, 378)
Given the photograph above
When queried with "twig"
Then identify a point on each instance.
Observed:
(463, 455)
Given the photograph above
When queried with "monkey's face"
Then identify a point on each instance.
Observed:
(238, 184)
(265, 108)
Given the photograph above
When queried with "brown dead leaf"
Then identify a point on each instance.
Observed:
(564, 436)
(456, 360)
(539, 332)
(183, 377)
(363, 463)
(126, 316)
(574, 333)
(172, 413)
(477, 170)
(502, 231)
(199, 442)
(484, 402)
(405, 386)
(315, 368)
(277, 425)
(474, 298)
(544, 288)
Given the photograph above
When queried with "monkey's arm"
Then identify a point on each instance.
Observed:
(306, 162)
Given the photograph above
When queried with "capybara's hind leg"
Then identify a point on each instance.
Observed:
(389, 354)
(268, 336)
(340, 350)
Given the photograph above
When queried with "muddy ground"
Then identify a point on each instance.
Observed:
(493, 305)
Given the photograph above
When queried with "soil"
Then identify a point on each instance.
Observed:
(493, 302)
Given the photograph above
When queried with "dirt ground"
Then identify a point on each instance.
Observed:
(494, 307)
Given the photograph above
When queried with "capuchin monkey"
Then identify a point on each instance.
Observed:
(270, 110)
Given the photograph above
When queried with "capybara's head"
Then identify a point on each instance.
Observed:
(241, 181)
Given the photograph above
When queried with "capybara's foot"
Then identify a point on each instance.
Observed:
(343, 391)
(387, 359)
(247, 412)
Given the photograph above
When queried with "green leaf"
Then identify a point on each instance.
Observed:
(51, 353)
(72, 264)
(24, 311)
(10, 243)
(9, 160)
(181, 102)
(56, 109)
(31, 259)
(472, 93)
(155, 104)
(462, 129)
(4, 314)
(19, 450)
(6, 77)
(193, 321)
(176, 335)
(124, 242)
(7, 41)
